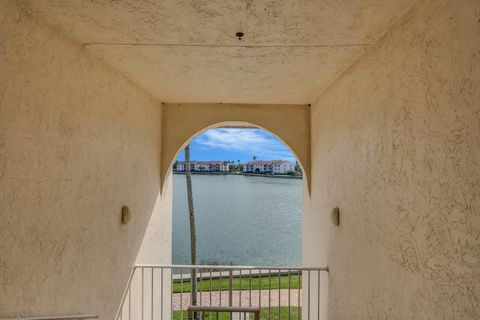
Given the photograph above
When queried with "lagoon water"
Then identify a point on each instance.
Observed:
(240, 220)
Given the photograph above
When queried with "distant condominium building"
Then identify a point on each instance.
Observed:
(204, 166)
(272, 167)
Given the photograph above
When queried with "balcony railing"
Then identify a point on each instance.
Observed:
(223, 292)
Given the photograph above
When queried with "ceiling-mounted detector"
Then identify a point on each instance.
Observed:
(239, 35)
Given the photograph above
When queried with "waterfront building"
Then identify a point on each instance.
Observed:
(204, 166)
(269, 167)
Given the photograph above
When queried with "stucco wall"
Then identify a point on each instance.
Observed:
(156, 244)
(77, 141)
(396, 146)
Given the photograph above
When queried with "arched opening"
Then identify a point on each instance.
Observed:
(290, 124)
(251, 217)
(229, 284)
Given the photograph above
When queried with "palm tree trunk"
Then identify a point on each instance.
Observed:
(193, 237)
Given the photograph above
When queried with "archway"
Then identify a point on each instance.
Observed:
(182, 122)
(289, 123)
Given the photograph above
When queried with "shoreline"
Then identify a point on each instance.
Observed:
(242, 174)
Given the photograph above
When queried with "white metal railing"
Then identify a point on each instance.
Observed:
(165, 292)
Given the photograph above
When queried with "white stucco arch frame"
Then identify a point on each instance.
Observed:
(183, 121)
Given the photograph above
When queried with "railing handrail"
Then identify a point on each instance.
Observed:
(124, 295)
(232, 273)
(186, 266)
(75, 317)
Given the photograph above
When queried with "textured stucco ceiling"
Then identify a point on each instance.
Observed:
(186, 51)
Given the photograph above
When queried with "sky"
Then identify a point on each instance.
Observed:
(237, 144)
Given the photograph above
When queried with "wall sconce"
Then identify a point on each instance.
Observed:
(335, 216)
(239, 35)
(126, 214)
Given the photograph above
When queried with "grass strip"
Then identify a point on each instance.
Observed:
(257, 283)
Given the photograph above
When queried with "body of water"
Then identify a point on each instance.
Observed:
(240, 220)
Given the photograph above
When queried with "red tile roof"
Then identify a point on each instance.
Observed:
(267, 163)
(204, 162)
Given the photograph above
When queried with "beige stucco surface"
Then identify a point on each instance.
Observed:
(156, 245)
(186, 51)
(396, 146)
(395, 142)
(156, 249)
(77, 141)
(182, 122)
(230, 74)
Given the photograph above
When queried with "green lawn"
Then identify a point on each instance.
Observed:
(263, 314)
(263, 283)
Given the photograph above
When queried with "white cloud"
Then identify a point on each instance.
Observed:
(253, 141)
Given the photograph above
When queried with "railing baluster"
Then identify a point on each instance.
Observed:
(308, 295)
(289, 288)
(161, 293)
(299, 312)
(192, 287)
(171, 293)
(250, 287)
(221, 285)
(151, 295)
(142, 304)
(211, 286)
(181, 294)
(130, 303)
(201, 279)
(260, 287)
(279, 292)
(269, 293)
(240, 291)
(230, 289)
(318, 297)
